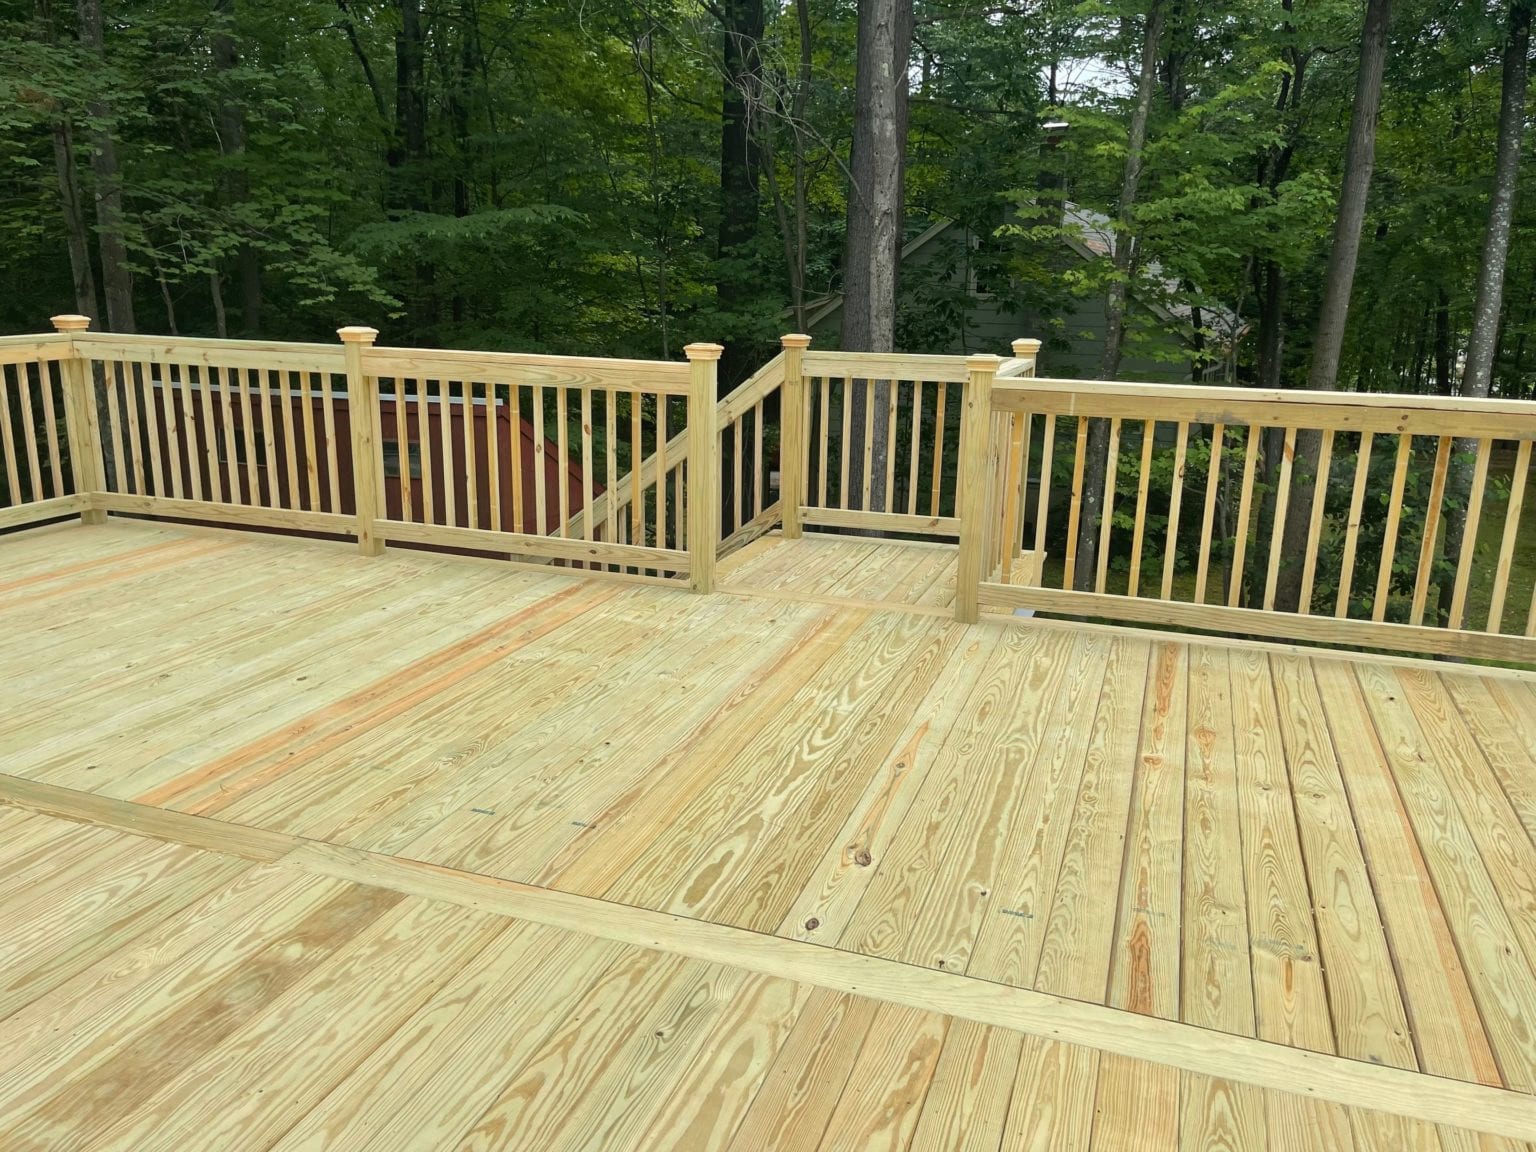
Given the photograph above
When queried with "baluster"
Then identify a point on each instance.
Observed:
(1389, 538)
(1315, 527)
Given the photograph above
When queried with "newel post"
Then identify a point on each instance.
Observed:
(363, 414)
(82, 422)
(975, 476)
(1027, 350)
(792, 434)
(703, 465)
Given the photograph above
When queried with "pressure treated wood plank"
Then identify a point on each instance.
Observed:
(1052, 1109)
(433, 1078)
(1442, 1011)
(1369, 1021)
(1504, 725)
(883, 1095)
(966, 1106)
(263, 1077)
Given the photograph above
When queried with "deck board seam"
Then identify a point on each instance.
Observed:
(1332, 1078)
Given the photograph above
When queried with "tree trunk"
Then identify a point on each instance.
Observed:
(872, 255)
(116, 276)
(84, 276)
(740, 161)
(1486, 309)
(1114, 305)
(236, 186)
(1328, 342)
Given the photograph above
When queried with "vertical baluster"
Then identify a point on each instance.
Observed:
(611, 468)
(892, 392)
(563, 454)
(471, 457)
(45, 379)
(8, 434)
(586, 464)
(822, 439)
(328, 411)
(29, 434)
(307, 421)
(189, 422)
(759, 479)
(636, 458)
(1244, 512)
(1315, 526)
(1277, 529)
(132, 398)
(269, 439)
(445, 439)
(1014, 470)
(425, 440)
(1075, 515)
(210, 434)
(109, 370)
(493, 454)
(661, 472)
(847, 413)
(167, 414)
(1175, 506)
(915, 446)
(1389, 538)
(935, 502)
(1469, 534)
(1043, 500)
(152, 429)
(1107, 515)
(248, 432)
(540, 454)
(1517, 485)
(1208, 517)
(284, 394)
(1138, 533)
(868, 477)
(679, 509)
(515, 418)
(1431, 529)
(1352, 524)
(402, 451)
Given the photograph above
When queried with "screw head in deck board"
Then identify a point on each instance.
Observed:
(357, 334)
(71, 322)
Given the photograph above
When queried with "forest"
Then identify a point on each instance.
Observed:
(1322, 193)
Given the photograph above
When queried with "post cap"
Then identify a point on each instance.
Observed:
(704, 351)
(795, 340)
(983, 362)
(70, 322)
(1023, 348)
(358, 334)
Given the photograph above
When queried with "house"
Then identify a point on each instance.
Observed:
(949, 306)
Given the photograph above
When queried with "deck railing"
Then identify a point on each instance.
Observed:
(382, 444)
(1285, 514)
(1389, 522)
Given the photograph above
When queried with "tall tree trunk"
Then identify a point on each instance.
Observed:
(1115, 302)
(1488, 306)
(740, 162)
(1339, 279)
(872, 254)
(236, 185)
(117, 278)
(84, 276)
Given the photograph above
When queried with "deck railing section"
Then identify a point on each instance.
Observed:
(854, 402)
(41, 418)
(236, 432)
(528, 455)
(1284, 514)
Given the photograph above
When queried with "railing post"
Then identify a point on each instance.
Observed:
(363, 413)
(82, 423)
(792, 434)
(975, 480)
(703, 465)
(1027, 350)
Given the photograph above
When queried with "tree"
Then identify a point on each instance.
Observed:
(111, 242)
(1487, 309)
(872, 254)
(1114, 308)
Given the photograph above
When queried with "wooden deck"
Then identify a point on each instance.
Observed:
(300, 849)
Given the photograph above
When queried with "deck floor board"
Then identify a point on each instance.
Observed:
(1332, 855)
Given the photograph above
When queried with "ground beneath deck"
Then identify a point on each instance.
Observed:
(305, 850)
